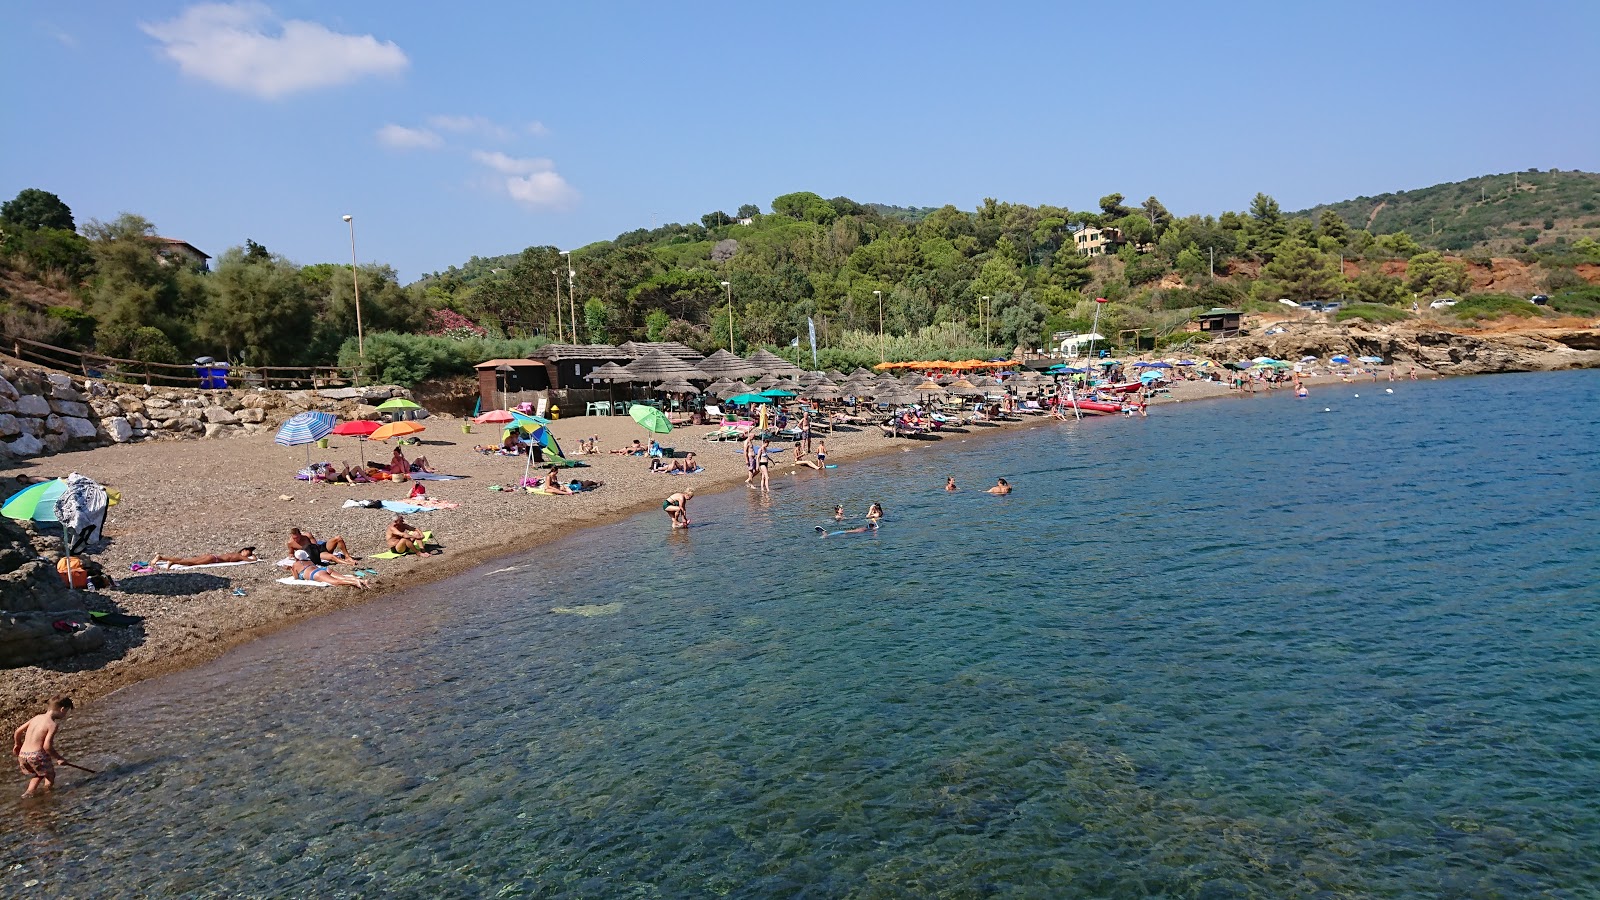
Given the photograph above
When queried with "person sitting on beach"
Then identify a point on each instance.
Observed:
(334, 550)
(246, 554)
(874, 512)
(684, 466)
(403, 537)
(1001, 487)
(677, 508)
(512, 443)
(399, 466)
(551, 483)
(800, 460)
(306, 570)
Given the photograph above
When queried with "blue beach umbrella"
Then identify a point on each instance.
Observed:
(746, 399)
(777, 392)
(1148, 377)
(1371, 359)
(305, 429)
(1340, 359)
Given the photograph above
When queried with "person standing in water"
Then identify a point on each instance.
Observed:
(34, 746)
(874, 513)
(677, 508)
(950, 483)
(838, 513)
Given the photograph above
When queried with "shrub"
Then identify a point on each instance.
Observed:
(1493, 306)
(406, 359)
(1370, 312)
(1579, 301)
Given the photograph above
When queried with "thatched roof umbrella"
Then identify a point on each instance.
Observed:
(822, 392)
(610, 373)
(860, 371)
(637, 349)
(677, 386)
(656, 366)
(765, 382)
(928, 387)
(723, 364)
(732, 390)
(716, 387)
(896, 398)
(788, 385)
(772, 364)
(834, 375)
(810, 377)
(965, 388)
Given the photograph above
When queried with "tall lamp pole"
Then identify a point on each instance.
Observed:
(985, 318)
(355, 281)
(729, 286)
(883, 355)
(572, 300)
(560, 333)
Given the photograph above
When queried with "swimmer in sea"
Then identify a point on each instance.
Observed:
(838, 513)
(874, 513)
(950, 483)
(870, 527)
(1001, 486)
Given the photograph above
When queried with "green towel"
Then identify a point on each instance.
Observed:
(390, 554)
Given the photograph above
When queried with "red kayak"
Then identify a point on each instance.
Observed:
(1124, 388)
(1092, 407)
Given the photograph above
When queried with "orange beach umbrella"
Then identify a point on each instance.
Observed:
(396, 429)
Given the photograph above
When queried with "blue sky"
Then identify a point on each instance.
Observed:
(450, 131)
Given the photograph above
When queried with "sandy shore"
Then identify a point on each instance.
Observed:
(190, 497)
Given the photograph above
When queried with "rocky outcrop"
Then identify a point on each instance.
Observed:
(40, 618)
(1445, 352)
(48, 412)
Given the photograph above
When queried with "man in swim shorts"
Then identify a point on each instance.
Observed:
(677, 508)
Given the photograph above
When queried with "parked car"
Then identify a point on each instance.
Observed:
(1539, 300)
(1442, 303)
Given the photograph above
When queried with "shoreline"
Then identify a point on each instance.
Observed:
(185, 627)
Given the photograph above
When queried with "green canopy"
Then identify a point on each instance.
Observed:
(651, 418)
(398, 403)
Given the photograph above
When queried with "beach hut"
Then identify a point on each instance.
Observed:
(1219, 322)
(655, 366)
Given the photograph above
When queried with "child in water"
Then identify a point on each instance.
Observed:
(34, 746)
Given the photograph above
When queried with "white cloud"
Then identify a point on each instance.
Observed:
(536, 129)
(470, 125)
(399, 137)
(244, 47)
(530, 181)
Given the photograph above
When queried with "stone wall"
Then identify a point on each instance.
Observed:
(47, 412)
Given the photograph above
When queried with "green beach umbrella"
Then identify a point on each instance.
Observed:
(36, 502)
(777, 392)
(743, 399)
(398, 403)
(651, 418)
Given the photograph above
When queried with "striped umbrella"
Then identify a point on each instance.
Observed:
(306, 429)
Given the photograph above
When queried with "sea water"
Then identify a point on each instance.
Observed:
(1340, 646)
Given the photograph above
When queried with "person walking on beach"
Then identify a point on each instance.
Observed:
(822, 453)
(34, 746)
(750, 458)
(805, 431)
(677, 508)
(764, 464)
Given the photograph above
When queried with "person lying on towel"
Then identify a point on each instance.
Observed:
(305, 570)
(246, 554)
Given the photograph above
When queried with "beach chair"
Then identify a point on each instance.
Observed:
(713, 414)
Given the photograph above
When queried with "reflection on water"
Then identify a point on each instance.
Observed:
(1248, 649)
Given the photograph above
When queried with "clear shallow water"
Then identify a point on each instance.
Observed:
(1245, 648)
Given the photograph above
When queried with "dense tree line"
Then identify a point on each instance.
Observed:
(992, 278)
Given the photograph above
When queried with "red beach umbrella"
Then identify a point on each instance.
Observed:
(360, 428)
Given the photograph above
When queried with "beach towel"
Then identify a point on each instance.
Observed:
(173, 568)
(390, 554)
(404, 508)
(293, 580)
(435, 476)
(115, 619)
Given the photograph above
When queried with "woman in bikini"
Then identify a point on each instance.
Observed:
(552, 483)
(306, 570)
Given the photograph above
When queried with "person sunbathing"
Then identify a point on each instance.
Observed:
(635, 449)
(800, 460)
(684, 466)
(246, 554)
(332, 551)
(551, 483)
(404, 537)
(399, 466)
(305, 570)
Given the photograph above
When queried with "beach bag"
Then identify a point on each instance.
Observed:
(72, 572)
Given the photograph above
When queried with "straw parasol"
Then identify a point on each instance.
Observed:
(765, 382)
(656, 366)
(787, 384)
(677, 386)
(965, 388)
(610, 373)
(733, 389)
(723, 364)
(772, 364)
(928, 387)
(821, 391)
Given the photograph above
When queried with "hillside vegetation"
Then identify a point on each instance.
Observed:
(1501, 214)
(872, 280)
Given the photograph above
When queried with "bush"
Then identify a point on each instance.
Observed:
(1579, 301)
(78, 325)
(1493, 306)
(406, 359)
(1370, 312)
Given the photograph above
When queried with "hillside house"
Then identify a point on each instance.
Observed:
(1092, 241)
(181, 252)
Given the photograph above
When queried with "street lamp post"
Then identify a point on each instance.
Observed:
(560, 333)
(982, 317)
(883, 355)
(729, 286)
(572, 301)
(355, 281)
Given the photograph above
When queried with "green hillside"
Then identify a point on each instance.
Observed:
(1497, 213)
